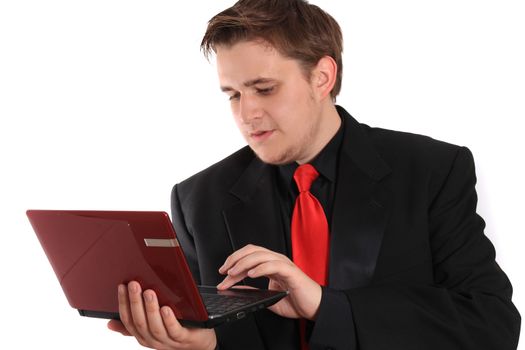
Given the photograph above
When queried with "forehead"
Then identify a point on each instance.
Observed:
(248, 60)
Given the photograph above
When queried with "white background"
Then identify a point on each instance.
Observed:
(107, 104)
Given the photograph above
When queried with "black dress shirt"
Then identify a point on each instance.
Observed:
(323, 188)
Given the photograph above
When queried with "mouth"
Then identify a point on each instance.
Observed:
(261, 135)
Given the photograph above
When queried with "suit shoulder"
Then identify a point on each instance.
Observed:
(406, 147)
(221, 175)
(417, 158)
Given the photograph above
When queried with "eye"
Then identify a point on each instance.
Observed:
(265, 91)
(235, 96)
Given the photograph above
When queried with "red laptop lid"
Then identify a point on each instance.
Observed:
(92, 252)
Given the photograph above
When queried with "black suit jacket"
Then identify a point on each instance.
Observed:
(410, 267)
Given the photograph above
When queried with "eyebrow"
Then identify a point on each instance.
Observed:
(249, 83)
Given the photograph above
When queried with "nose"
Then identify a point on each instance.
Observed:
(249, 109)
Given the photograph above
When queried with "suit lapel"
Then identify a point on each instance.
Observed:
(255, 218)
(361, 209)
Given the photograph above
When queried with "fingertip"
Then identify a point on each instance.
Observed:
(223, 285)
(172, 324)
(169, 317)
(166, 311)
(149, 296)
(134, 287)
(121, 289)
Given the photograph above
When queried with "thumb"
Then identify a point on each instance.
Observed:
(117, 326)
(243, 287)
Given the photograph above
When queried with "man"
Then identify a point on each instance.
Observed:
(373, 232)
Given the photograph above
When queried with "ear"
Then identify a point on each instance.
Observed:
(324, 77)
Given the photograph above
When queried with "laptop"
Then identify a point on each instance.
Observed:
(92, 252)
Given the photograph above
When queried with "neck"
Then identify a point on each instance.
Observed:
(329, 124)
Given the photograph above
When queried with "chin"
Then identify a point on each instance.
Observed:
(274, 158)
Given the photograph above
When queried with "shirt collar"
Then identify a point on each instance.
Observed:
(325, 162)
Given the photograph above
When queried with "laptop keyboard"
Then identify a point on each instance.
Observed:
(220, 304)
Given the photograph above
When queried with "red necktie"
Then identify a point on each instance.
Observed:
(310, 239)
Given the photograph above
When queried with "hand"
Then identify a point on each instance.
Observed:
(156, 327)
(304, 295)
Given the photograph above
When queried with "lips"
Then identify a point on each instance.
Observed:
(260, 135)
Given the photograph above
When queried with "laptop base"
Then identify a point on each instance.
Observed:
(210, 323)
(270, 298)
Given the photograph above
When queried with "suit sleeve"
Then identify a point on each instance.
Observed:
(185, 238)
(183, 234)
(467, 307)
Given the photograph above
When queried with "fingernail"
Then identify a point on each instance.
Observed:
(121, 289)
(232, 271)
(133, 287)
(166, 311)
(148, 297)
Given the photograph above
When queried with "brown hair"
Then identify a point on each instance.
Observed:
(297, 29)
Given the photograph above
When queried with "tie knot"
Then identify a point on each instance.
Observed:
(304, 176)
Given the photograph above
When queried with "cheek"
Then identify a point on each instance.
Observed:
(283, 111)
(294, 104)
(291, 115)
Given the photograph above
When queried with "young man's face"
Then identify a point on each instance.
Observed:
(274, 106)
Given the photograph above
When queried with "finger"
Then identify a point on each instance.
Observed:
(156, 326)
(117, 326)
(138, 313)
(239, 271)
(244, 287)
(250, 261)
(229, 281)
(275, 269)
(172, 325)
(238, 254)
(125, 310)
(275, 285)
